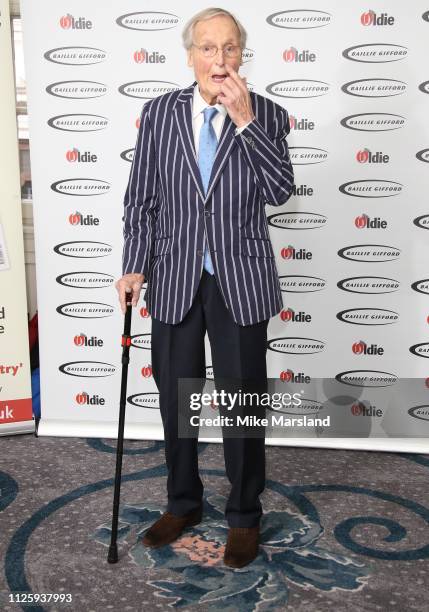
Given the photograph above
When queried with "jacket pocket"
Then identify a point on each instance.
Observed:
(162, 246)
(256, 247)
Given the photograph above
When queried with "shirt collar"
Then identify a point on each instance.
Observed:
(200, 104)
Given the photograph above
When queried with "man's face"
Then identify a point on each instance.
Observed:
(210, 72)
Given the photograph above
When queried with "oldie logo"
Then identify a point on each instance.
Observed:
(291, 316)
(77, 218)
(82, 340)
(373, 122)
(367, 378)
(74, 155)
(371, 188)
(307, 155)
(83, 248)
(294, 283)
(374, 88)
(77, 90)
(371, 18)
(296, 346)
(87, 369)
(85, 310)
(297, 220)
(298, 88)
(376, 53)
(78, 122)
(146, 90)
(84, 399)
(68, 22)
(85, 280)
(369, 252)
(364, 221)
(366, 156)
(299, 19)
(293, 55)
(148, 21)
(362, 348)
(75, 56)
(368, 316)
(368, 284)
(302, 124)
(149, 399)
(143, 56)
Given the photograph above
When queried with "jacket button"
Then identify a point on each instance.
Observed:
(207, 213)
(200, 252)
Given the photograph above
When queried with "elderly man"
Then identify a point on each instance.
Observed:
(208, 158)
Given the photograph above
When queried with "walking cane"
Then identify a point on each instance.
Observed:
(125, 343)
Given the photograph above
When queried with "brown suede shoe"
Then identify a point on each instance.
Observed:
(169, 527)
(241, 546)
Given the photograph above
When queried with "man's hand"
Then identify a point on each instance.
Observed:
(125, 284)
(236, 98)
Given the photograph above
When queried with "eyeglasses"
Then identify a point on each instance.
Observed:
(230, 51)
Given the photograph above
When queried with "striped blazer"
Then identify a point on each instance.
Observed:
(168, 218)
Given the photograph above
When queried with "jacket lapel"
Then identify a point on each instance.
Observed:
(183, 117)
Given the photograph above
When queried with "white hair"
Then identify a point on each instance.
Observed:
(188, 30)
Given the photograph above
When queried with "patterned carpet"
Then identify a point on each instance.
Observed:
(342, 530)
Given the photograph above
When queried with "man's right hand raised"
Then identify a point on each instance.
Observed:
(124, 285)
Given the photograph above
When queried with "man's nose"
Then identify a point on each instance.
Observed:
(219, 58)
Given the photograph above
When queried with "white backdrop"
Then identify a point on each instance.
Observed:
(16, 414)
(351, 245)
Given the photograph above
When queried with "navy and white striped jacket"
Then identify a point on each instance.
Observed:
(167, 217)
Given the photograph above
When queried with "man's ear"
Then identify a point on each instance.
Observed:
(190, 58)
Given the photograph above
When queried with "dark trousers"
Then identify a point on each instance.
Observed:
(239, 353)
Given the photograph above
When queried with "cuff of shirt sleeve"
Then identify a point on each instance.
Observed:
(240, 129)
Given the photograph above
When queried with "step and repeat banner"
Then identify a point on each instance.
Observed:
(351, 244)
(16, 414)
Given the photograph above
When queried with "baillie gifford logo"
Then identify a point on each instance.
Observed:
(74, 155)
(299, 19)
(361, 348)
(365, 222)
(77, 218)
(68, 22)
(365, 156)
(371, 18)
(293, 55)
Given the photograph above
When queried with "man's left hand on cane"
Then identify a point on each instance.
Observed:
(236, 98)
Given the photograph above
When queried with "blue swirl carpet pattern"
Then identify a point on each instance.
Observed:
(342, 530)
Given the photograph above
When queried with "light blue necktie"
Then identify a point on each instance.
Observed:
(206, 155)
